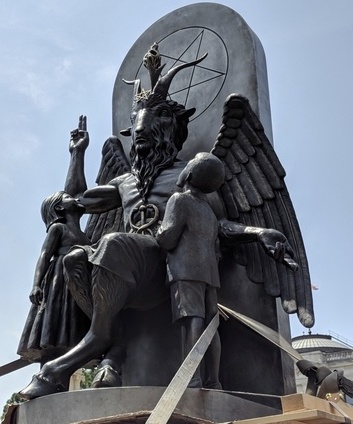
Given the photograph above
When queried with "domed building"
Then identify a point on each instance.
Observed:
(326, 350)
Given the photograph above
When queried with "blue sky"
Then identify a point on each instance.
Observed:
(60, 59)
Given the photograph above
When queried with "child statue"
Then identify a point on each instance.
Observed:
(189, 234)
(55, 323)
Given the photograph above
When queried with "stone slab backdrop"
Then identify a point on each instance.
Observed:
(236, 63)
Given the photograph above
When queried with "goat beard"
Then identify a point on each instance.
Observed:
(146, 169)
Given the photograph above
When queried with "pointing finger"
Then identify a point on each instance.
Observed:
(84, 123)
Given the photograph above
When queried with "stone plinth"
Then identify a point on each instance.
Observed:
(212, 405)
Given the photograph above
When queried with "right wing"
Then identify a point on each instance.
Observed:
(255, 194)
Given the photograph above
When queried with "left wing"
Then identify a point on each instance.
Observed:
(114, 163)
(255, 194)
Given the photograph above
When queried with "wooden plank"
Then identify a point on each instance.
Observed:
(313, 416)
(302, 401)
(299, 401)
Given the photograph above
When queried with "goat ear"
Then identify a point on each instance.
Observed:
(187, 112)
(126, 132)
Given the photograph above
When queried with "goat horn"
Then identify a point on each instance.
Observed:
(137, 88)
(163, 84)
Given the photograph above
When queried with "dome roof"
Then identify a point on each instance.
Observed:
(314, 342)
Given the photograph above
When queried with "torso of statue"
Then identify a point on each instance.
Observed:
(145, 217)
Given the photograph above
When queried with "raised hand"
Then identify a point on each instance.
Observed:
(277, 246)
(79, 137)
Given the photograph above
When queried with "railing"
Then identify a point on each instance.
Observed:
(341, 339)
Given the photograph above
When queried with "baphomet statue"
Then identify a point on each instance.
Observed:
(125, 267)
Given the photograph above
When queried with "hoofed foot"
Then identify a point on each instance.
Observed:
(107, 376)
(40, 386)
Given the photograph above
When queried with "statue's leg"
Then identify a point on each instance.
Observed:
(110, 369)
(213, 353)
(109, 295)
(77, 271)
(193, 328)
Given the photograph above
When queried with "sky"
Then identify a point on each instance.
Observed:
(60, 60)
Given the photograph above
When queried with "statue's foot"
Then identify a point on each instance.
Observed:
(214, 385)
(40, 386)
(107, 376)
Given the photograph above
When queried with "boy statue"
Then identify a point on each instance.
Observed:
(189, 234)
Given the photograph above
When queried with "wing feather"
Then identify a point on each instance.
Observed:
(241, 199)
(263, 186)
(228, 198)
(232, 164)
(249, 187)
(245, 144)
(272, 176)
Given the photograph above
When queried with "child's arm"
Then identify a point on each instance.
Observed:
(76, 181)
(50, 247)
(173, 222)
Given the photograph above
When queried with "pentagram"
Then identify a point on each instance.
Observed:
(199, 85)
(143, 95)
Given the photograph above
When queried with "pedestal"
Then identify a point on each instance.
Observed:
(213, 405)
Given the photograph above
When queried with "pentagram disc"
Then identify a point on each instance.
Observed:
(235, 64)
(190, 44)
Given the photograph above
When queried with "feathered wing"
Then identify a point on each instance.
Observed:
(255, 194)
(113, 164)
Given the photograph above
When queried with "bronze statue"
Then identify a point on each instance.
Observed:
(126, 268)
(55, 323)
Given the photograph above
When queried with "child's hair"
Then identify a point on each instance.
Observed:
(50, 214)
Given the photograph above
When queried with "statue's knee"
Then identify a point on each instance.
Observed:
(74, 258)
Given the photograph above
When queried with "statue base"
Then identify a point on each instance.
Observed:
(89, 404)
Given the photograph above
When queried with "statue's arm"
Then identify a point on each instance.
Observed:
(50, 247)
(75, 183)
(173, 223)
(101, 199)
(272, 241)
(235, 233)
